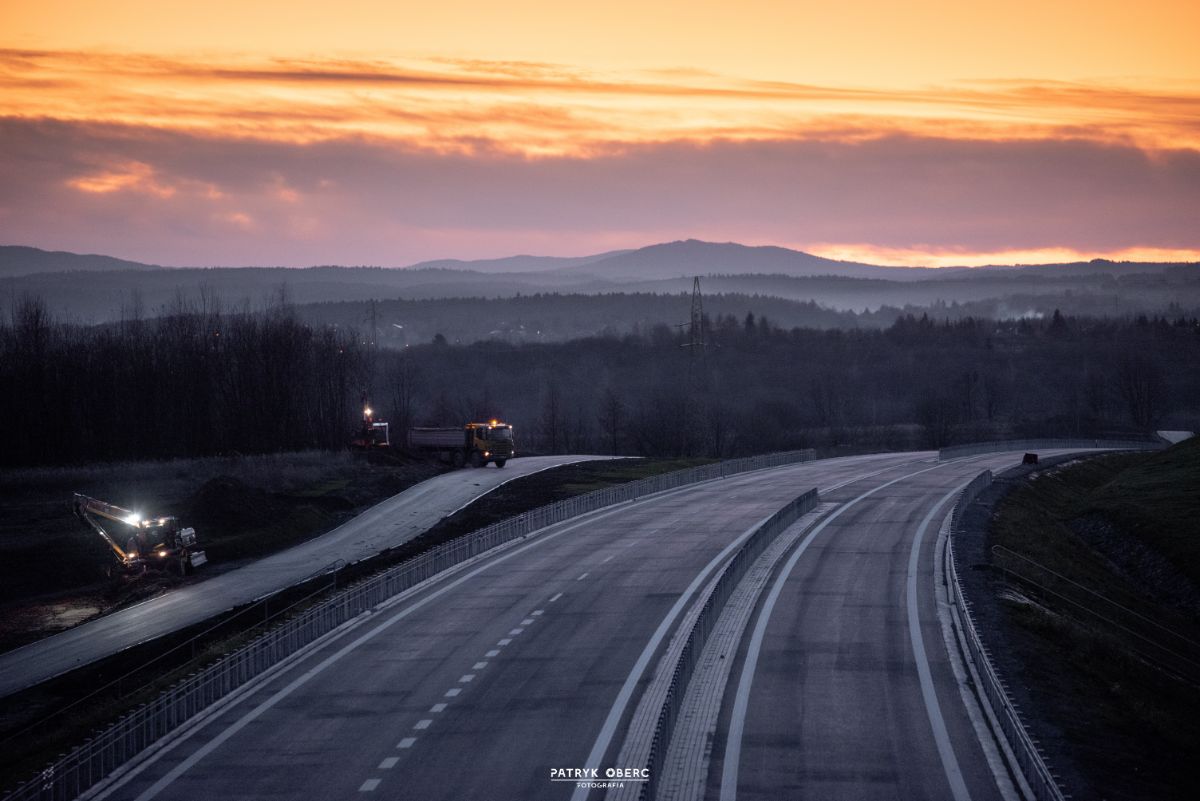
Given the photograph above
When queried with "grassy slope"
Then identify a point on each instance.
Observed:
(1157, 500)
(51, 565)
(30, 752)
(1127, 728)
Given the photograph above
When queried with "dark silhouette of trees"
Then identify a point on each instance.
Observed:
(611, 418)
(1143, 387)
(195, 382)
(202, 380)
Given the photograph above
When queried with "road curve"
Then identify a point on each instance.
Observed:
(478, 685)
(385, 525)
(845, 688)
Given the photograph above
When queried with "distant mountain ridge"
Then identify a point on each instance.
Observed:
(98, 289)
(695, 257)
(516, 264)
(667, 260)
(20, 260)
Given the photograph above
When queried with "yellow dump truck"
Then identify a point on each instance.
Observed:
(475, 444)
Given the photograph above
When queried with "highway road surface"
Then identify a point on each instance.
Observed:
(385, 525)
(483, 683)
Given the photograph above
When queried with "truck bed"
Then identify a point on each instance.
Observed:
(437, 438)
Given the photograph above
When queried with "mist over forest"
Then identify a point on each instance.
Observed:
(551, 299)
(587, 355)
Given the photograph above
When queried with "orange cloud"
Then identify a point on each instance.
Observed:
(539, 109)
(935, 256)
(130, 176)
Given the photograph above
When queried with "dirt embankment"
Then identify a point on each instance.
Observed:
(52, 568)
(1086, 582)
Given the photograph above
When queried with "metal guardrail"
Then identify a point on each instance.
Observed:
(730, 576)
(73, 774)
(974, 448)
(1030, 760)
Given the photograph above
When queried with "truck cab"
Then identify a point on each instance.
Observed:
(490, 442)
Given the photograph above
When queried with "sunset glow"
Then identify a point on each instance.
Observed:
(280, 125)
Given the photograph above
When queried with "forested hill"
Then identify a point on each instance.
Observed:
(17, 260)
(98, 290)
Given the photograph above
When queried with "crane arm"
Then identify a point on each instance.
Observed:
(86, 507)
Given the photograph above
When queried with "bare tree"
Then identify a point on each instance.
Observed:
(611, 419)
(1141, 384)
(551, 423)
(404, 395)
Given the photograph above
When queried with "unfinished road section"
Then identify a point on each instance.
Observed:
(385, 525)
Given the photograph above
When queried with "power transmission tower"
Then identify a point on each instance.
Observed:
(696, 325)
(373, 318)
(695, 381)
(372, 344)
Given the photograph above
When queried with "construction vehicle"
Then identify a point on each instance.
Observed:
(150, 543)
(373, 433)
(475, 444)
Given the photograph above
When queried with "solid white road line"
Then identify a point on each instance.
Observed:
(488, 563)
(229, 731)
(958, 785)
(741, 701)
(995, 749)
(604, 738)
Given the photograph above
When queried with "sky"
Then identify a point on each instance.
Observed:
(386, 132)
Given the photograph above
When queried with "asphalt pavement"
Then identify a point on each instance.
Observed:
(505, 680)
(483, 684)
(385, 525)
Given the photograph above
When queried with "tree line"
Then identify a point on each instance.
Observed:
(193, 382)
(199, 382)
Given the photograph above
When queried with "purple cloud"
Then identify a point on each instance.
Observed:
(179, 198)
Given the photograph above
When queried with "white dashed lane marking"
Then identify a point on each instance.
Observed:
(581, 578)
(607, 559)
(390, 762)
